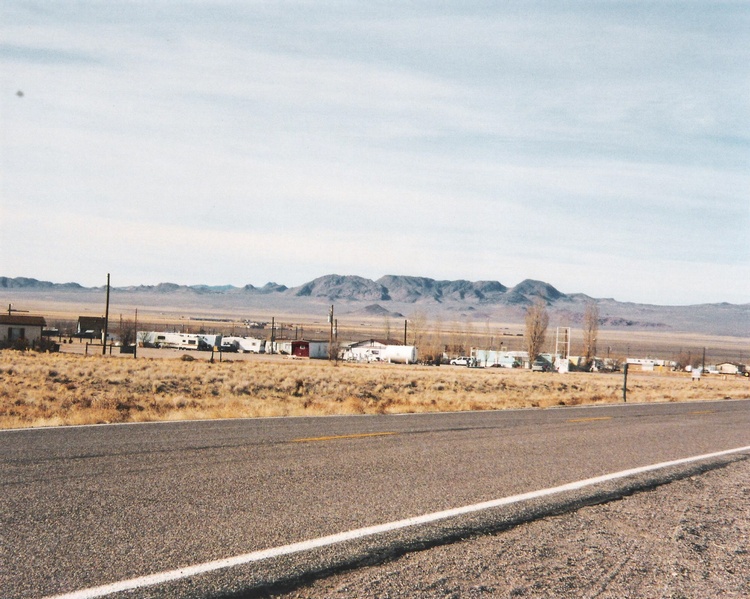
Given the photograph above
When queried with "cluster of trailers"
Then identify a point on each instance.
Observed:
(363, 351)
(201, 342)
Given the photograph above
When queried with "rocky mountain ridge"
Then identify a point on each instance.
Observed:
(397, 288)
(393, 296)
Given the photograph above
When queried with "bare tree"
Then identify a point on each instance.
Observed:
(454, 339)
(127, 332)
(537, 321)
(434, 346)
(590, 332)
(418, 323)
(387, 326)
(468, 335)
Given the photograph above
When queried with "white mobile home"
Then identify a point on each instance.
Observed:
(730, 368)
(279, 346)
(490, 357)
(178, 340)
(243, 345)
(363, 351)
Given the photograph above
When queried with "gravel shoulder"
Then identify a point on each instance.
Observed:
(688, 538)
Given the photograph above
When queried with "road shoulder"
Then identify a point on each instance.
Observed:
(687, 538)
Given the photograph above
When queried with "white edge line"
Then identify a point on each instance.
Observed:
(255, 556)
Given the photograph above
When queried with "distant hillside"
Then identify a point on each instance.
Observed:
(25, 283)
(351, 288)
(414, 289)
(336, 287)
(397, 295)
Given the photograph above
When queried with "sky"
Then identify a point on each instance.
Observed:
(600, 146)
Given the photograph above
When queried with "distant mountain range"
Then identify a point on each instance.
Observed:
(352, 288)
(396, 295)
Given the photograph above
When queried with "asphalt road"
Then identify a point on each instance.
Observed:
(88, 506)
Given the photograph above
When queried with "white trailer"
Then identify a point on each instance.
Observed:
(178, 340)
(491, 357)
(172, 340)
(209, 342)
(249, 345)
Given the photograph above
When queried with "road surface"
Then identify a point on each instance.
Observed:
(83, 507)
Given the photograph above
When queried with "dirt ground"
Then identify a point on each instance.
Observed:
(685, 539)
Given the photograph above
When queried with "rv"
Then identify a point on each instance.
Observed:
(243, 345)
(178, 340)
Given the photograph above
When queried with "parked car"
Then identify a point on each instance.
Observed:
(541, 365)
(460, 361)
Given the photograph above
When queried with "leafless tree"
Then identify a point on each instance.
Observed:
(468, 336)
(454, 339)
(418, 324)
(435, 345)
(387, 327)
(537, 321)
(127, 332)
(590, 332)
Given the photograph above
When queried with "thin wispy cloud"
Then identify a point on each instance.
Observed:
(600, 146)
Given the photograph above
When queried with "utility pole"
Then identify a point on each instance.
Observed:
(330, 333)
(405, 324)
(106, 321)
(273, 332)
(12, 309)
(135, 347)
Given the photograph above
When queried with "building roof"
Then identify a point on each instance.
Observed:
(368, 343)
(21, 319)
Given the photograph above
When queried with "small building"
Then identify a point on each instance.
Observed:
(304, 348)
(21, 327)
(730, 368)
(370, 350)
(90, 327)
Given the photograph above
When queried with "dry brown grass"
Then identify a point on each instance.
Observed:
(64, 389)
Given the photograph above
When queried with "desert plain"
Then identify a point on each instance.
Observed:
(73, 389)
(79, 385)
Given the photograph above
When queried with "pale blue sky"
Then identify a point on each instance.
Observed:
(603, 147)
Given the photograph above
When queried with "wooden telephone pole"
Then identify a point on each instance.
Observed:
(330, 334)
(106, 321)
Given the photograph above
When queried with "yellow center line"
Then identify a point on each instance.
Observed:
(356, 436)
(590, 419)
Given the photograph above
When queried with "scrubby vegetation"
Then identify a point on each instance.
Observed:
(64, 389)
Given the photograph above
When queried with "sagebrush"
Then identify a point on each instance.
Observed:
(65, 389)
